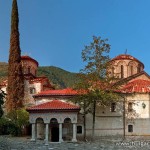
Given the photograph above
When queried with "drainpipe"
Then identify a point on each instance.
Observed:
(124, 117)
(149, 104)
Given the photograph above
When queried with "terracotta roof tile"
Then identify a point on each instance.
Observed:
(4, 83)
(38, 79)
(136, 86)
(63, 92)
(55, 105)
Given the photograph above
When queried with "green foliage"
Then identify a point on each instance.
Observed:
(95, 81)
(59, 77)
(3, 70)
(96, 57)
(8, 127)
(2, 96)
(4, 126)
(94, 78)
(19, 119)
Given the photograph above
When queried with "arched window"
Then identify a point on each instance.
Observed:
(122, 71)
(29, 70)
(139, 68)
(130, 128)
(131, 70)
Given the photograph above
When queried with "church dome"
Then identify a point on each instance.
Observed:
(124, 65)
(127, 57)
(29, 65)
(29, 59)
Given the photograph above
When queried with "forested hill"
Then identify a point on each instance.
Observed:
(59, 77)
(3, 70)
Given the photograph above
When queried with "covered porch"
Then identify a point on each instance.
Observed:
(54, 121)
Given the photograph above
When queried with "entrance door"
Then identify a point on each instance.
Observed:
(55, 134)
(54, 130)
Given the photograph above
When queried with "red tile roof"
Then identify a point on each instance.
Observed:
(3, 83)
(136, 86)
(55, 105)
(128, 57)
(38, 79)
(29, 58)
(62, 92)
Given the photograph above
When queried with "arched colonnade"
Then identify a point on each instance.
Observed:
(54, 126)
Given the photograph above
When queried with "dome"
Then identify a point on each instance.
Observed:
(123, 66)
(29, 66)
(30, 59)
(127, 57)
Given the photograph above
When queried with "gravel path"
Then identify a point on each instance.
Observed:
(104, 143)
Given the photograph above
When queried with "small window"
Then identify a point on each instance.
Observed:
(130, 107)
(79, 129)
(32, 90)
(130, 128)
(139, 68)
(113, 107)
(122, 71)
(29, 70)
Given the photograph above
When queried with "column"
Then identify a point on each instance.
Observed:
(60, 132)
(33, 132)
(46, 133)
(74, 139)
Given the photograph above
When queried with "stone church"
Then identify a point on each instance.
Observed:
(55, 119)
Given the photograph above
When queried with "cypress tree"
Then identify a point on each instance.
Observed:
(15, 87)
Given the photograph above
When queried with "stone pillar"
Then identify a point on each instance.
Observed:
(74, 139)
(46, 133)
(60, 132)
(33, 132)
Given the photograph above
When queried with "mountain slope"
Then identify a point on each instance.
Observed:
(57, 76)
(3, 70)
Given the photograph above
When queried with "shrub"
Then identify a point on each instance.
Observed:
(5, 124)
(19, 119)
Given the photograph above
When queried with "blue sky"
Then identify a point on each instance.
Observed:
(54, 32)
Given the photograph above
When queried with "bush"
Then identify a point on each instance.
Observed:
(14, 122)
(14, 129)
(5, 124)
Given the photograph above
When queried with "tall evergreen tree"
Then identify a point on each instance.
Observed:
(15, 88)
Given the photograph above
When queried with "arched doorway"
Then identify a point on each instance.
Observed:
(54, 127)
(40, 128)
(67, 130)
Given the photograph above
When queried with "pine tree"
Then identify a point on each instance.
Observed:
(15, 87)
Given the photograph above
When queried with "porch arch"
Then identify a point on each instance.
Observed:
(67, 129)
(54, 130)
(40, 128)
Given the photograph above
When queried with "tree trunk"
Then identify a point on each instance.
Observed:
(93, 125)
(84, 120)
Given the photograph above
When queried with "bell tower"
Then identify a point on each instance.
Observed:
(29, 66)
